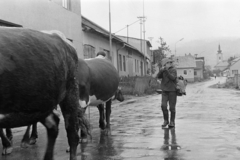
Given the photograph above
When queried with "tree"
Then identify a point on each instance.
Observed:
(159, 53)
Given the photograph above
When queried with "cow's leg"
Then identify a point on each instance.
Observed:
(25, 140)
(7, 145)
(108, 114)
(51, 123)
(101, 116)
(9, 134)
(71, 109)
(34, 135)
(83, 134)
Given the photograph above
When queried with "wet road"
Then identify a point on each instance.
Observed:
(207, 128)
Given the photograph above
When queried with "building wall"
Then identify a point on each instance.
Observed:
(234, 68)
(100, 43)
(131, 68)
(137, 60)
(45, 15)
(199, 74)
(190, 73)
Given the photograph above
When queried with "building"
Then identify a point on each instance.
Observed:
(185, 66)
(221, 64)
(142, 45)
(200, 67)
(234, 67)
(126, 58)
(219, 55)
(62, 15)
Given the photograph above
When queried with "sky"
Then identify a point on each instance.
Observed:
(170, 19)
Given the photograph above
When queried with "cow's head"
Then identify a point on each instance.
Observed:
(118, 95)
(83, 96)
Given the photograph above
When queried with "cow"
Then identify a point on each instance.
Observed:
(99, 86)
(38, 72)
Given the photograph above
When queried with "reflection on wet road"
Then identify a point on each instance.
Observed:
(170, 146)
(207, 128)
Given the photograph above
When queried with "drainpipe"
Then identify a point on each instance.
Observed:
(124, 45)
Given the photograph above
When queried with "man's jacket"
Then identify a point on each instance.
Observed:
(168, 77)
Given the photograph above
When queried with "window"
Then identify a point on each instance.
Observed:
(234, 72)
(195, 73)
(89, 51)
(66, 4)
(137, 66)
(185, 72)
(120, 62)
(124, 63)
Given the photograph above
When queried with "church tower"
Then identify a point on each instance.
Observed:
(219, 55)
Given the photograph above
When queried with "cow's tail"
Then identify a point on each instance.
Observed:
(84, 123)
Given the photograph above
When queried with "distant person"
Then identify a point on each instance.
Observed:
(215, 76)
(168, 74)
(101, 54)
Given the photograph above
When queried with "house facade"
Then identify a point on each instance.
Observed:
(199, 70)
(127, 59)
(234, 67)
(185, 66)
(62, 15)
(142, 45)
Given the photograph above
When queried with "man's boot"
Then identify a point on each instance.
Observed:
(165, 116)
(172, 120)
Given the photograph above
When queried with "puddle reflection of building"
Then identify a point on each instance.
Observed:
(170, 146)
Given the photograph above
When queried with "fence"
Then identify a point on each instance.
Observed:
(138, 85)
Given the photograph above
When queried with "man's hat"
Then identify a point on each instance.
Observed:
(166, 60)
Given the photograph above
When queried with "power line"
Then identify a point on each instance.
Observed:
(127, 26)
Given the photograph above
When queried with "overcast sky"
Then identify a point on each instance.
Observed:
(170, 19)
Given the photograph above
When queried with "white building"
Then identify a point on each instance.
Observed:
(62, 15)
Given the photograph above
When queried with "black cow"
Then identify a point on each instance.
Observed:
(99, 85)
(37, 72)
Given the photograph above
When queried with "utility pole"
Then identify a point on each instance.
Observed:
(142, 23)
(110, 34)
(175, 46)
(151, 59)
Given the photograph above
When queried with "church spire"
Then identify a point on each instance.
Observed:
(219, 49)
(219, 55)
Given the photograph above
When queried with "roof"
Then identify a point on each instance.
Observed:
(93, 27)
(235, 60)
(124, 37)
(187, 61)
(222, 64)
(136, 45)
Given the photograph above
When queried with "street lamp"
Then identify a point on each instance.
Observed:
(176, 44)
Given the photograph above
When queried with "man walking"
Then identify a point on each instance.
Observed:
(168, 74)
